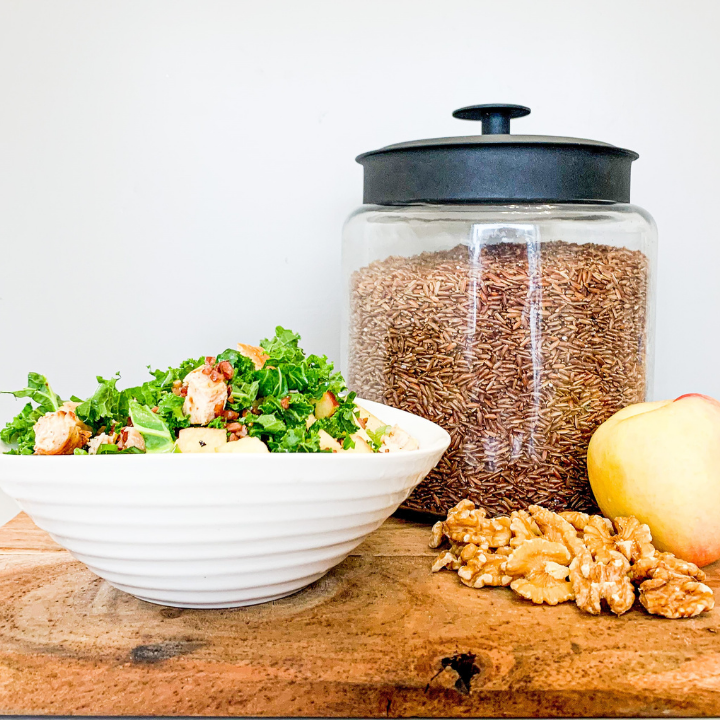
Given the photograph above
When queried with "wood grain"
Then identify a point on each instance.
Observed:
(380, 635)
(22, 535)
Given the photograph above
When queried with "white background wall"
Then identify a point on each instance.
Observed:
(174, 175)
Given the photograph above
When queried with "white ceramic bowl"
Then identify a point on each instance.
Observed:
(224, 530)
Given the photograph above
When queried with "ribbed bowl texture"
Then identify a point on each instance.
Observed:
(222, 530)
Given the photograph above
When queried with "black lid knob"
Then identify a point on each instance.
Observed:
(495, 118)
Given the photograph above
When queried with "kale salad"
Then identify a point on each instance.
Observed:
(252, 399)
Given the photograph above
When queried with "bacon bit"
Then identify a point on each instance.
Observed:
(362, 422)
(234, 427)
(230, 414)
(214, 375)
(285, 403)
(242, 432)
(245, 413)
(155, 409)
(183, 391)
(209, 366)
(129, 423)
(226, 369)
(232, 437)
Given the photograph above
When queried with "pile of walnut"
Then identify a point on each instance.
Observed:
(550, 558)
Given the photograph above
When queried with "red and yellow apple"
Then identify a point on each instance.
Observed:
(326, 406)
(660, 461)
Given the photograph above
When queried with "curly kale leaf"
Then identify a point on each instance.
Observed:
(283, 348)
(106, 406)
(39, 391)
(243, 395)
(170, 409)
(296, 439)
(19, 431)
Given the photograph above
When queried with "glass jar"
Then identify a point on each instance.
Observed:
(519, 324)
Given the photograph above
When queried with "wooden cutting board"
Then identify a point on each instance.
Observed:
(378, 636)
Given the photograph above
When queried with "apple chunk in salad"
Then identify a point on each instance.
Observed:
(271, 398)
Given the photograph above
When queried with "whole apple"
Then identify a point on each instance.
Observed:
(660, 461)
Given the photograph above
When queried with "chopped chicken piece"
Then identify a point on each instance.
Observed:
(59, 433)
(131, 437)
(205, 397)
(256, 354)
(397, 439)
(71, 406)
(101, 439)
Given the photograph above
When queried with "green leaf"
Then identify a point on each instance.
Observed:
(377, 436)
(269, 423)
(172, 405)
(80, 451)
(39, 391)
(170, 408)
(111, 449)
(105, 407)
(298, 376)
(164, 379)
(283, 347)
(19, 431)
(272, 381)
(296, 439)
(244, 394)
(343, 420)
(296, 413)
(218, 423)
(155, 432)
(148, 393)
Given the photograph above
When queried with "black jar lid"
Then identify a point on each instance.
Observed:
(497, 167)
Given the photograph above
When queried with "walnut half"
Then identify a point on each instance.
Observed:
(674, 595)
(594, 582)
(645, 566)
(467, 524)
(541, 569)
(485, 569)
(633, 539)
